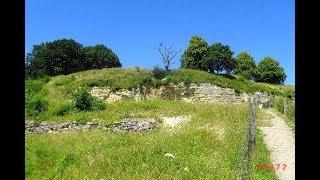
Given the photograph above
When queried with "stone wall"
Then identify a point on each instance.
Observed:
(127, 125)
(191, 93)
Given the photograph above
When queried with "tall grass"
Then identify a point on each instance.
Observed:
(278, 104)
(44, 96)
(200, 153)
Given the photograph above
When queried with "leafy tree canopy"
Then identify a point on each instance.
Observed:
(245, 65)
(193, 56)
(65, 56)
(99, 56)
(269, 71)
(219, 58)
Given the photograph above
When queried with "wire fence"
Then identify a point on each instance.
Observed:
(248, 145)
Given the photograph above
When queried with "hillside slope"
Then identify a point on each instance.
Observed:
(51, 98)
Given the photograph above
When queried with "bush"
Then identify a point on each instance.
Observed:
(33, 87)
(98, 105)
(291, 109)
(83, 100)
(36, 105)
(278, 104)
(63, 109)
(159, 73)
(141, 80)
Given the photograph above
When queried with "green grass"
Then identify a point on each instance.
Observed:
(261, 156)
(289, 117)
(207, 153)
(57, 91)
(210, 153)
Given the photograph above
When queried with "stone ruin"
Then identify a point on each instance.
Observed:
(127, 125)
(203, 92)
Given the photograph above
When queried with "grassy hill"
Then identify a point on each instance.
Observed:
(210, 145)
(50, 98)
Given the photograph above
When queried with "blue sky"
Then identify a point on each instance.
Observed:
(133, 28)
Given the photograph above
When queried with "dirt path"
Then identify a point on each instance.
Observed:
(281, 143)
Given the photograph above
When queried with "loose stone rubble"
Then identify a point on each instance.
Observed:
(129, 125)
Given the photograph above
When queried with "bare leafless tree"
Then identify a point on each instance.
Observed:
(167, 55)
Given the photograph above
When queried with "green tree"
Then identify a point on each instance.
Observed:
(100, 56)
(245, 65)
(269, 71)
(219, 58)
(193, 56)
(63, 56)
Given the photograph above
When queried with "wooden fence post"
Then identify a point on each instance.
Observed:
(252, 127)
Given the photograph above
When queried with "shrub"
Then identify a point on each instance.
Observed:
(33, 86)
(278, 104)
(63, 109)
(98, 105)
(141, 80)
(159, 73)
(291, 109)
(36, 105)
(83, 100)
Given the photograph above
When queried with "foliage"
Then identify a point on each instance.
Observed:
(64, 80)
(245, 65)
(36, 105)
(200, 152)
(159, 73)
(119, 78)
(219, 58)
(65, 56)
(35, 102)
(63, 109)
(100, 56)
(193, 56)
(83, 99)
(269, 71)
(97, 82)
(278, 104)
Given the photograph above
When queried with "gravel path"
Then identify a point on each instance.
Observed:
(281, 143)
